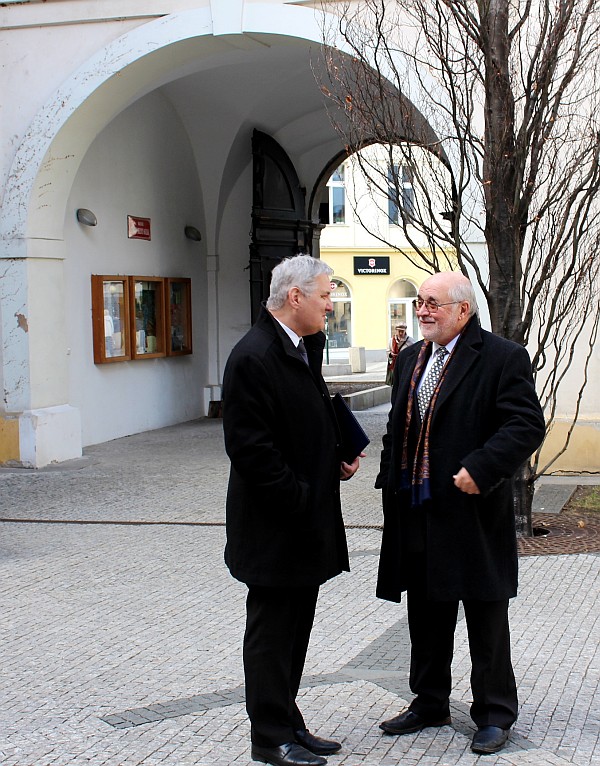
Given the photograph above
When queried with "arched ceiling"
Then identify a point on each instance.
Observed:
(222, 86)
(270, 86)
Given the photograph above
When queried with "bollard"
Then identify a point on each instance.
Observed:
(357, 358)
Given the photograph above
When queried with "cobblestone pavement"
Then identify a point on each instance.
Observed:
(121, 630)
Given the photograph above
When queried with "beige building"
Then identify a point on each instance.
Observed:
(375, 285)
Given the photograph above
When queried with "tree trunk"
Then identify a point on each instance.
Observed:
(530, 72)
(502, 227)
(523, 499)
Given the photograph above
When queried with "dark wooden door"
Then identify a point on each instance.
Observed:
(279, 225)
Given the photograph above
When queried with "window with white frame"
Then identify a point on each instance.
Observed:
(337, 196)
(400, 192)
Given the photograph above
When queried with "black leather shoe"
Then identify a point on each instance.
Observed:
(290, 754)
(316, 745)
(409, 722)
(489, 739)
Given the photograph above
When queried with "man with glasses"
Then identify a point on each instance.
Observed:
(464, 418)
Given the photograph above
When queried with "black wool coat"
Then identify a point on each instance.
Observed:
(283, 515)
(488, 419)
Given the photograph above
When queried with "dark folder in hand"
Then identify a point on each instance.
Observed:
(354, 439)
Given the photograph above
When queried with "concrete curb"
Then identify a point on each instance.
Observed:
(371, 397)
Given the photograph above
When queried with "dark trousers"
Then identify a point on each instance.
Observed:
(432, 625)
(278, 626)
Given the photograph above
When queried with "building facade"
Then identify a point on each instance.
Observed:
(377, 270)
(375, 283)
(158, 157)
(129, 166)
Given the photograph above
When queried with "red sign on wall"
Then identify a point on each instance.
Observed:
(138, 228)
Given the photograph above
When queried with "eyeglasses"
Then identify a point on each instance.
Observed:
(432, 305)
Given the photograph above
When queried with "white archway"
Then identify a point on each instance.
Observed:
(166, 53)
(35, 363)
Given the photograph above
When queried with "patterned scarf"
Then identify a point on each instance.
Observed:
(417, 479)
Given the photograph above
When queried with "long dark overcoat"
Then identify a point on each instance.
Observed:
(284, 522)
(487, 419)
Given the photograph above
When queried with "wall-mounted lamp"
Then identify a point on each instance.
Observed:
(86, 217)
(191, 232)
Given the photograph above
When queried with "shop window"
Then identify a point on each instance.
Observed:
(179, 316)
(111, 319)
(339, 320)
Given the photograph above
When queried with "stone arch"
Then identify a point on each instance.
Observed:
(58, 137)
(141, 60)
(32, 221)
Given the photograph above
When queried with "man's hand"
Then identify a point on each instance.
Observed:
(465, 483)
(347, 470)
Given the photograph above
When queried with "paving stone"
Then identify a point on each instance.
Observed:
(121, 635)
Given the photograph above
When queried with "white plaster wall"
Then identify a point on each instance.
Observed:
(141, 164)
(568, 391)
(48, 344)
(234, 254)
(23, 51)
(54, 112)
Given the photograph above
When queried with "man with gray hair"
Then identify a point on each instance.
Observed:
(285, 533)
(464, 417)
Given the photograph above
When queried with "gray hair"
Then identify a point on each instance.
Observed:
(300, 271)
(463, 291)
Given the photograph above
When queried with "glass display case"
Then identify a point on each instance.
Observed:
(140, 317)
(148, 317)
(110, 317)
(179, 316)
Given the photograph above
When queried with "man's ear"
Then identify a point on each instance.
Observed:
(294, 294)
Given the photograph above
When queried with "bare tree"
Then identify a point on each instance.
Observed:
(491, 110)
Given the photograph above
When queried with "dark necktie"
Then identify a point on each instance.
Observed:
(426, 391)
(302, 349)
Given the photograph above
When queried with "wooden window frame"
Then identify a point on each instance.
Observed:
(98, 321)
(186, 321)
(159, 320)
(129, 322)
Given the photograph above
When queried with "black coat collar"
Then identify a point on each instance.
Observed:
(314, 343)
